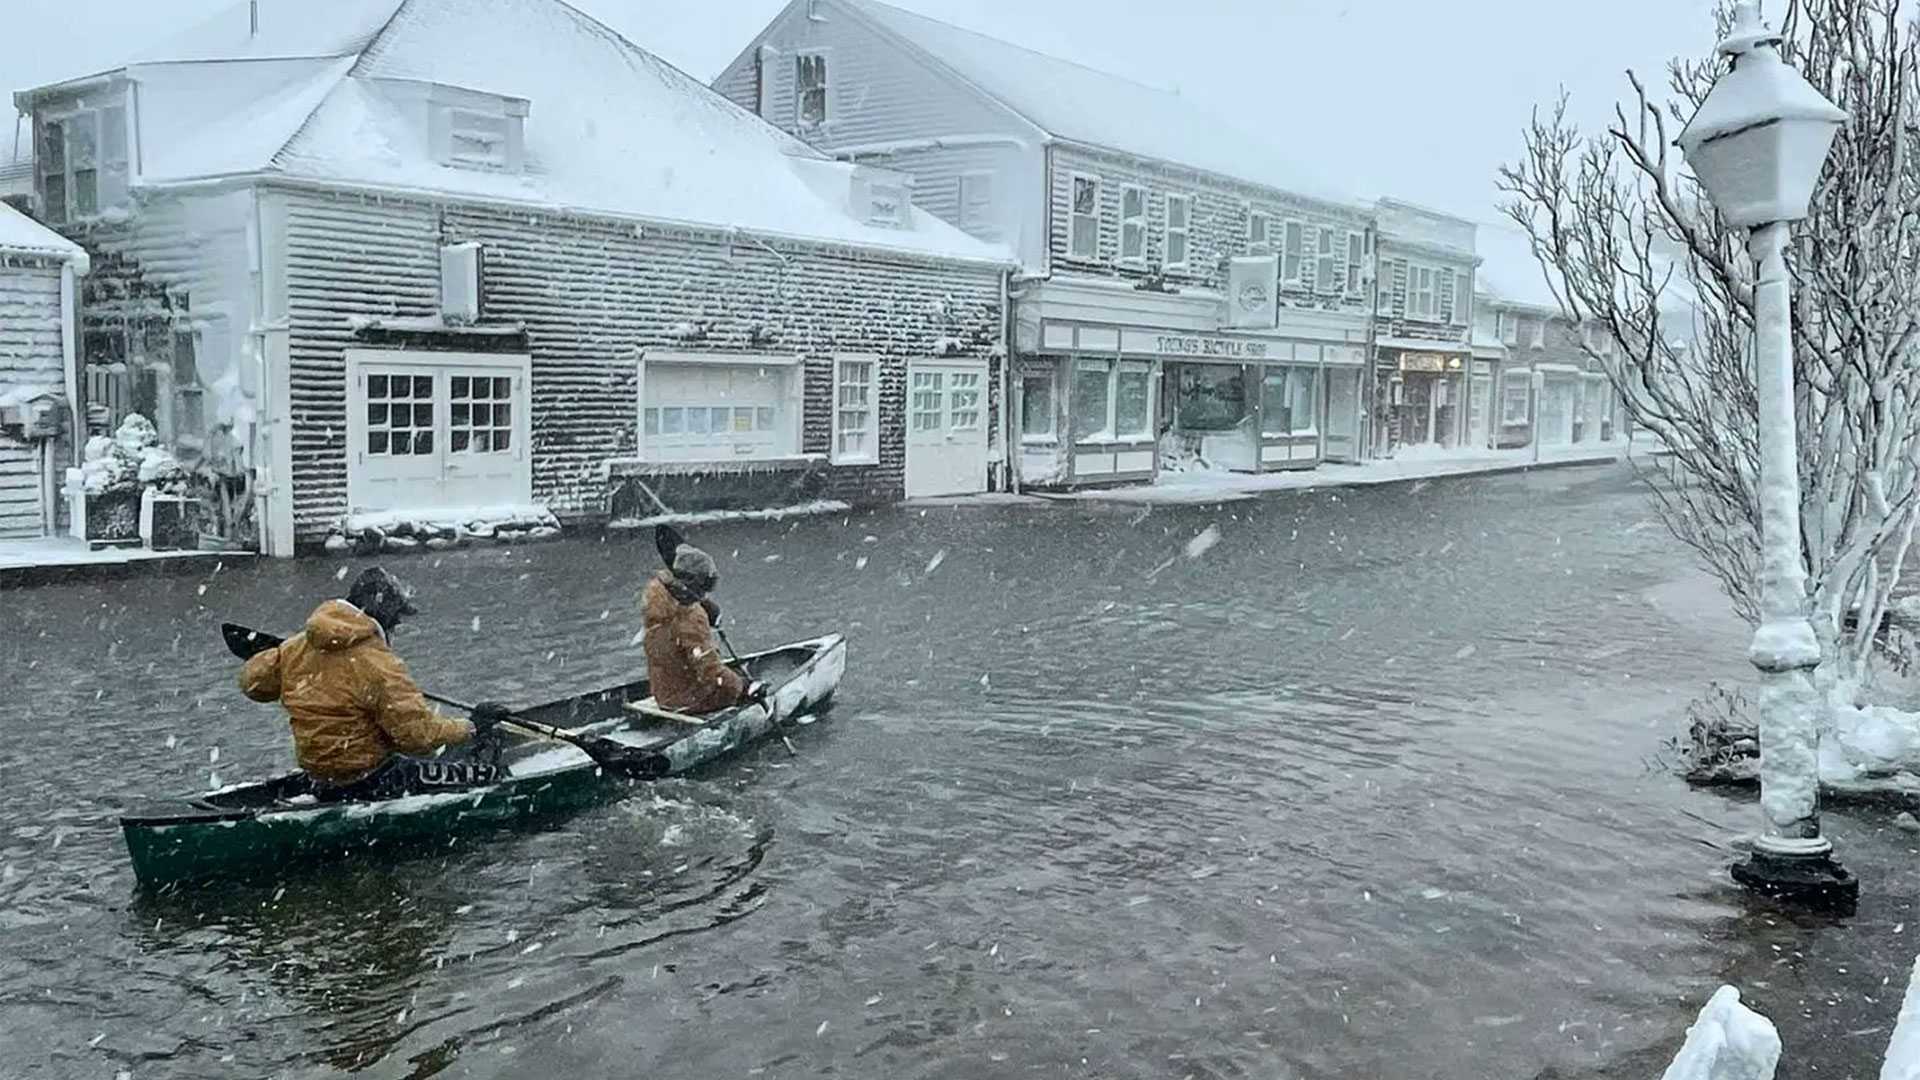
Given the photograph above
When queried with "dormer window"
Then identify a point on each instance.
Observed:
(82, 157)
(465, 129)
(477, 140)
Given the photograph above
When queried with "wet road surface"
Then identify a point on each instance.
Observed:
(1356, 785)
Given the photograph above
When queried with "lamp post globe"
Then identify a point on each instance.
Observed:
(1757, 146)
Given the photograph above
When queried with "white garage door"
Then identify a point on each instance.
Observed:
(946, 429)
(722, 410)
(432, 431)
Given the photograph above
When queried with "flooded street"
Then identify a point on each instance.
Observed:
(1362, 789)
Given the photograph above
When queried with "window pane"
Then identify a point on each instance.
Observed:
(53, 147)
(1177, 213)
(503, 389)
(423, 416)
(403, 442)
(1086, 236)
(1176, 248)
(672, 421)
(1089, 403)
(1132, 415)
(697, 421)
(458, 440)
(651, 422)
(402, 387)
(1036, 406)
(1300, 398)
(1212, 398)
(722, 420)
(461, 413)
(1273, 403)
(376, 415)
(86, 192)
(422, 442)
(462, 388)
(55, 187)
(376, 386)
(423, 387)
(763, 418)
(1133, 202)
(503, 416)
(376, 442)
(482, 441)
(502, 440)
(1132, 241)
(1086, 195)
(742, 419)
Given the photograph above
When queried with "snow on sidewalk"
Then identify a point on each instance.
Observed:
(1410, 463)
(58, 551)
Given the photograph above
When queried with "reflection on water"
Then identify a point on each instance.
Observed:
(1358, 790)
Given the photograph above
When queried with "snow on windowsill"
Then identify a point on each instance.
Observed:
(629, 465)
(455, 515)
(1104, 438)
(861, 460)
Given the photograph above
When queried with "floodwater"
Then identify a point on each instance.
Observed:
(1356, 786)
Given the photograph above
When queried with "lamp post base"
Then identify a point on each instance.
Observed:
(1800, 872)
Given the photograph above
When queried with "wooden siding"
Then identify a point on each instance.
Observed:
(593, 295)
(1217, 227)
(878, 91)
(30, 355)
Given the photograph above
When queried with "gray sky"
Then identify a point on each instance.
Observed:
(1412, 98)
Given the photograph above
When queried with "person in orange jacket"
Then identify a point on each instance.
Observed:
(358, 719)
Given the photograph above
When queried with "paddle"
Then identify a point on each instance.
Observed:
(628, 761)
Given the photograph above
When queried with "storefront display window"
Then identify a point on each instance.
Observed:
(1513, 398)
(1092, 400)
(1112, 400)
(1287, 401)
(1213, 397)
(1036, 406)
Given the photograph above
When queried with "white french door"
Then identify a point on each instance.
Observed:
(430, 430)
(946, 429)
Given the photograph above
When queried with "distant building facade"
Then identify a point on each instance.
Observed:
(1184, 299)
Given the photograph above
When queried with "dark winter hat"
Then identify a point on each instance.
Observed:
(695, 569)
(381, 595)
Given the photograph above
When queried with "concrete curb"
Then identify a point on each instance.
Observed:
(182, 565)
(1334, 482)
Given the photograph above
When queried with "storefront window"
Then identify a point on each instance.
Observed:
(1133, 400)
(1092, 399)
(1213, 397)
(1287, 401)
(1036, 406)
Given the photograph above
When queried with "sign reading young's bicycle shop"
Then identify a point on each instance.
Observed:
(1190, 346)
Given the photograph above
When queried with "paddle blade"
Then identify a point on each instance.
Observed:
(246, 642)
(668, 541)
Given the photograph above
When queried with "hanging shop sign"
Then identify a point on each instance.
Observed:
(1253, 288)
(1195, 346)
(1428, 361)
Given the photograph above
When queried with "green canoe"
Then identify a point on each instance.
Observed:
(247, 827)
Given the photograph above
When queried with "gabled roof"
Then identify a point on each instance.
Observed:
(613, 129)
(20, 234)
(1081, 104)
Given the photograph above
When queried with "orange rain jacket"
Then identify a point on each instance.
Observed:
(684, 669)
(349, 698)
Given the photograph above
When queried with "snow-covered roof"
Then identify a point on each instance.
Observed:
(1508, 269)
(612, 128)
(1082, 104)
(20, 234)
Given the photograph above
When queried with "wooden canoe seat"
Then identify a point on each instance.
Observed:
(651, 709)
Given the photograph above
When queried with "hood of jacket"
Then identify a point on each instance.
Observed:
(672, 592)
(337, 626)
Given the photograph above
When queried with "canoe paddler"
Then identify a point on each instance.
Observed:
(684, 668)
(358, 718)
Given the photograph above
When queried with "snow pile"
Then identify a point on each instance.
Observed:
(704, 517)
(1903, 1049)
(20, 233)
(129, 461)
(440, 529)
(1728, 1042)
